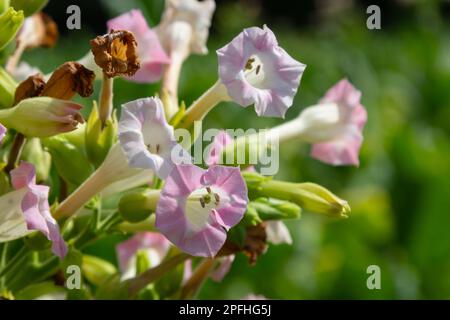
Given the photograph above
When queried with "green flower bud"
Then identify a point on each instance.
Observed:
(29, 7)
(33, 152)
(138, 205)
(10, 22)
(7, 89)
(274, 209)
(71, 163)
(42, 117)
(97, 271)
(309, 196)
(113, 289)
(99, 139)
(4, 4)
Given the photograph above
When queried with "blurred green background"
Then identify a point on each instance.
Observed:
(400, 194)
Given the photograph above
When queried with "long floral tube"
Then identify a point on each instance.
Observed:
(200, 108)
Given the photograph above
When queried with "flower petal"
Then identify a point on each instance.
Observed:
(35, 207)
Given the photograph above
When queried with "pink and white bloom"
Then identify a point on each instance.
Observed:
(152, 55)
(198, 206)
(256, 70)
(346, 133)
(147, 139)
(185, 26)
(154, 244)
(27, 209)
(334, 126)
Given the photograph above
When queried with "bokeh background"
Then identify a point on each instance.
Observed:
(400, 194)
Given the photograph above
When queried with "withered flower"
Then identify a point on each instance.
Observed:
(116, 53)
(254, 245)
(31, 87)
(70, 78)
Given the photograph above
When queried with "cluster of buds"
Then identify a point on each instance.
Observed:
(135, 176)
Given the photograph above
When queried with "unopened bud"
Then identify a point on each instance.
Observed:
(42, 117)
(137, 206)
(309, 196)
(96, 270)
(10, 22)
(99, 139)
(7, 89)
(29, 7)
(71, 163)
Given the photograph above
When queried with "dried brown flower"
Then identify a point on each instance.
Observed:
(31, 87)
(116, 53)
(254, 245)
(70, 78)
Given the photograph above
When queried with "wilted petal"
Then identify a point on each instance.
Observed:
(152, 56)
(35, 207)
(257, 71)
(197, 206)
(146, 137)
(278, 233)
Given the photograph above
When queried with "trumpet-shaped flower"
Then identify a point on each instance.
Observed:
(33, 211)
(198, 206)
(186, 21)
(255, 70)
(154, 245)
(345, 133)
(152, 56)
(147, 139)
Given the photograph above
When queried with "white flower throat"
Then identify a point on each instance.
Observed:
(200, 203)
(254, 72)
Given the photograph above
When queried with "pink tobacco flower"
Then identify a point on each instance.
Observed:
(198, 206)
(345, 134)
(147, 139)
(152, 56)
(255, 70)
(154, 244)
(35, 207)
